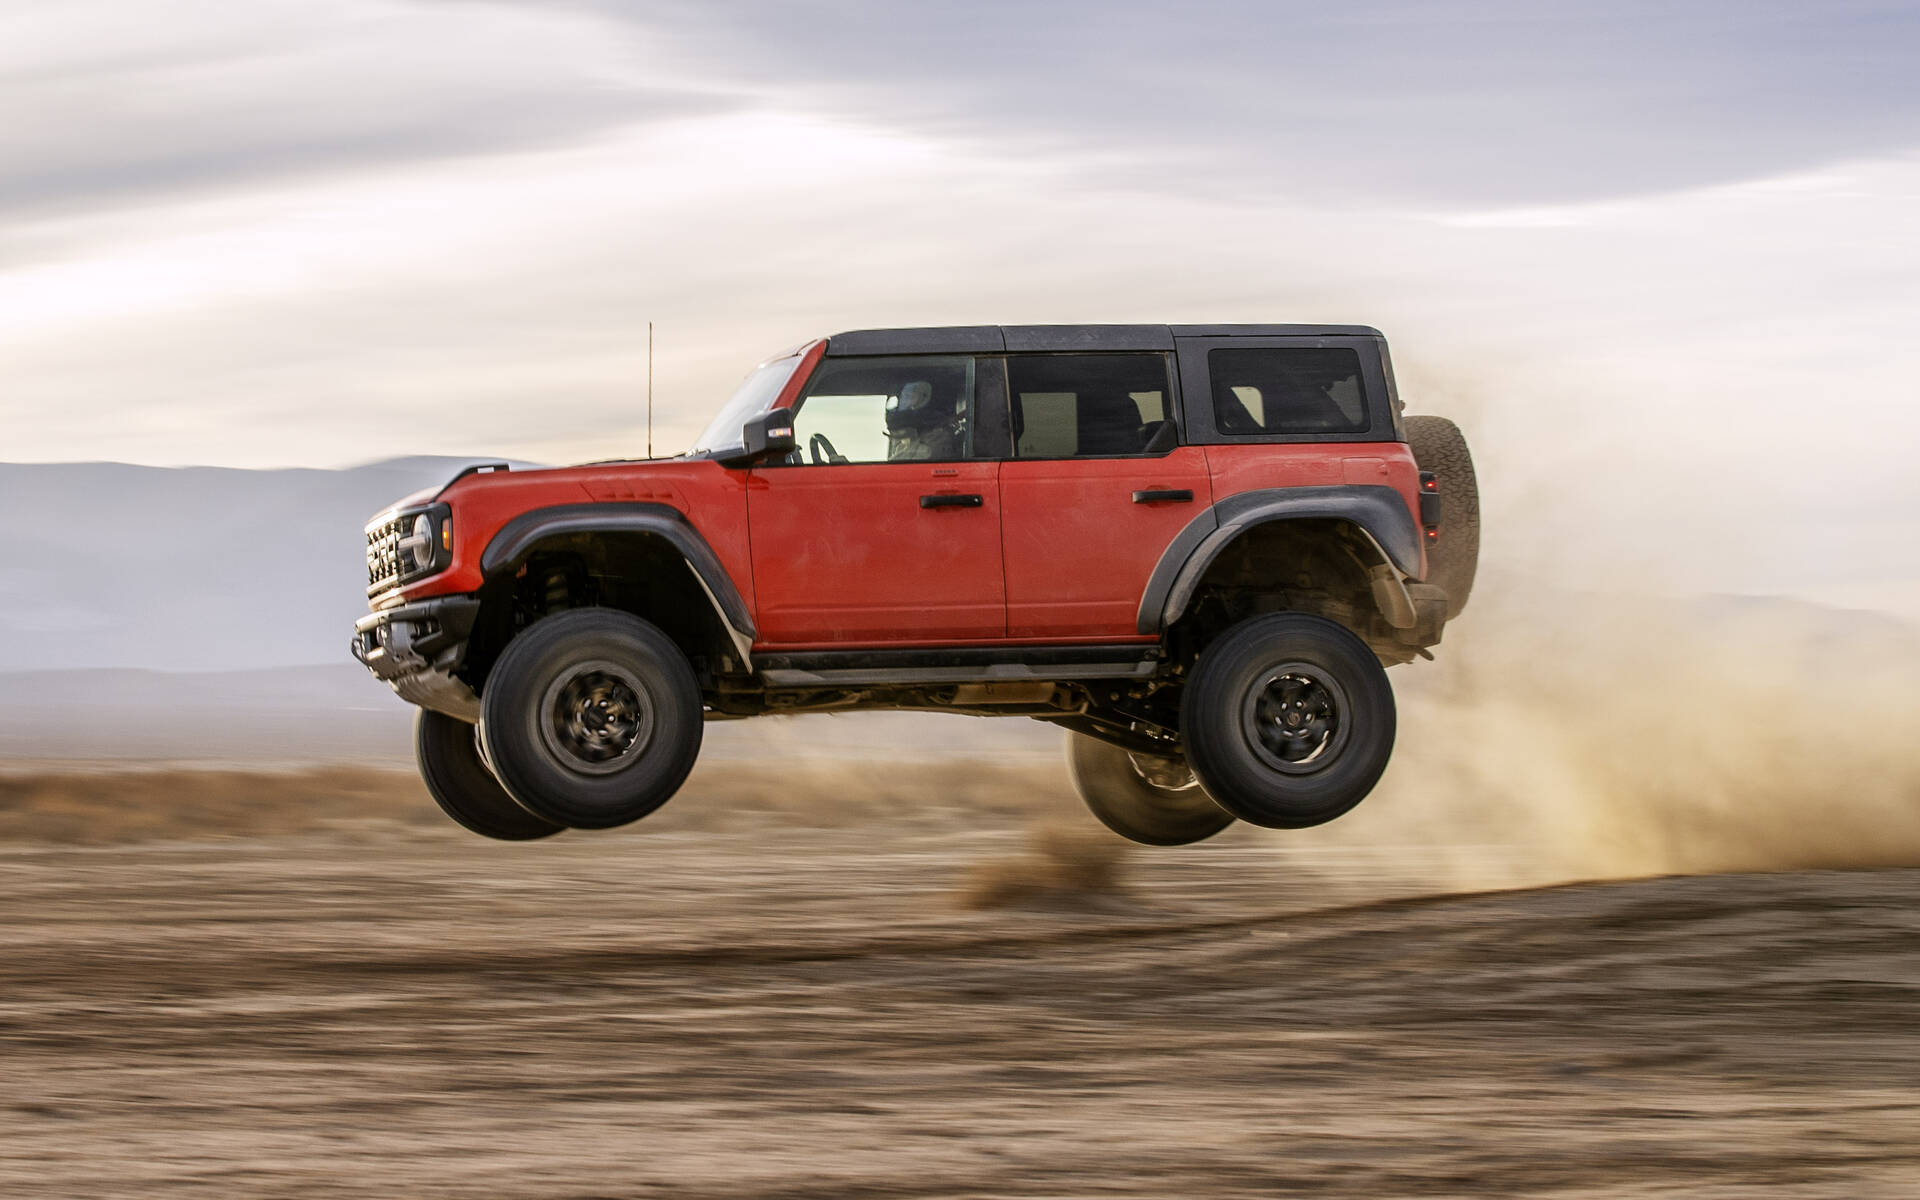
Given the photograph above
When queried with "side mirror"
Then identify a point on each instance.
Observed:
(770, 433)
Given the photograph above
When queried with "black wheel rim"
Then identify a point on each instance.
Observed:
(1295, 718)
(596, 718)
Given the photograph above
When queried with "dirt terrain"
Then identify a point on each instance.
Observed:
(803, 999)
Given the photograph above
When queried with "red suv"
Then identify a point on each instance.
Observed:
(1196, 547)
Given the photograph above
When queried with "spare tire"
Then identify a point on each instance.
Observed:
(1439, 446)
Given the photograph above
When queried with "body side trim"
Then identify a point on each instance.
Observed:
(1379, 511)
(519, 535)
(1182, 548)
(793, 677)
(960, 664)
(1045, 654)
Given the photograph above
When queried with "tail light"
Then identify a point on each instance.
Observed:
(1430, 505)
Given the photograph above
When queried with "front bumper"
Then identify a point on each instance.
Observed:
(416, 648)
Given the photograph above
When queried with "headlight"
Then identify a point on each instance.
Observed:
(430, 534)
(422, 542)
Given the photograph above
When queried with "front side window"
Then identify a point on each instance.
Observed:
(1294, 389)
(1087, 405)
(874, 410)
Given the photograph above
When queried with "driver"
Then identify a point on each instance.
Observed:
(918, 429)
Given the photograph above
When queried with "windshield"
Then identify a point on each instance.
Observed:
(755, 393)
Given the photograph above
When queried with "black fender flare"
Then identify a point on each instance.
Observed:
(1379, 511)
(518, 536)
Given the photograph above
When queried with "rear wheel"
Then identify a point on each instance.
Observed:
(591, 718)
(1143, 798)
(1288, 720)
(461, 785)
(1440, 447)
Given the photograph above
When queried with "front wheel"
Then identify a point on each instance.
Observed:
(1288, 720)
(591, 718)
(1146, 799)
(461, 785)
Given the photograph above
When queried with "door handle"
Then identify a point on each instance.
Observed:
(971, 500)
(1158, 495)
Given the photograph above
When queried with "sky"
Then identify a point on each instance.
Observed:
(1662, 260)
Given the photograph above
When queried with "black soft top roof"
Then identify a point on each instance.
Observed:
(993, 339)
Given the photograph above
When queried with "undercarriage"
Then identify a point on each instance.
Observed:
(1142, 715)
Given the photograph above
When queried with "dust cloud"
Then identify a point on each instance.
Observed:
(1065, 866)
(1564, 737)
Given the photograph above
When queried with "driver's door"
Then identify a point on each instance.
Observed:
(884, 527)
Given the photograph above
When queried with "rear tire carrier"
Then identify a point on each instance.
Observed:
(1439, 446)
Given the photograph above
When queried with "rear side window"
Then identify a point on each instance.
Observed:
(1086, 405)
(1287, 390)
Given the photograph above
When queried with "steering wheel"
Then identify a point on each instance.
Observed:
(818, 443)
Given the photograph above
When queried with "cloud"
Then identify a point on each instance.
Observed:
(1484, 103)
(107, 109)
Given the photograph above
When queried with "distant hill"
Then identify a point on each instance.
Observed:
(333, 713)
(188, 568)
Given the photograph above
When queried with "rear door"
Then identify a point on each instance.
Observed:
(1095, 491)
(884, 528)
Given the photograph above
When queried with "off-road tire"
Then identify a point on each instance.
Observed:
(1234, 714)
(535, 723)
(1439, 446)
(461, 785)
(1108, 779)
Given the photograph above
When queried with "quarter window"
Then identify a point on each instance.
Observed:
(1086, 405)
(1287, 390)
(873, 410)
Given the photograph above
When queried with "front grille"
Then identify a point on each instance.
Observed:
(383, 556)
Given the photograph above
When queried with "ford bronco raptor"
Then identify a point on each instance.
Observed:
(1194, 547)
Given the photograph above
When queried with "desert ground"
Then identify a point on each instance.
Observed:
(1634, 912)
(797, 983)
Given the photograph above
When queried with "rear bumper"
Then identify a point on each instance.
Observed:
(416, 648)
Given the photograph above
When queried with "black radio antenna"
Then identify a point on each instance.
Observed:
(649, 389)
